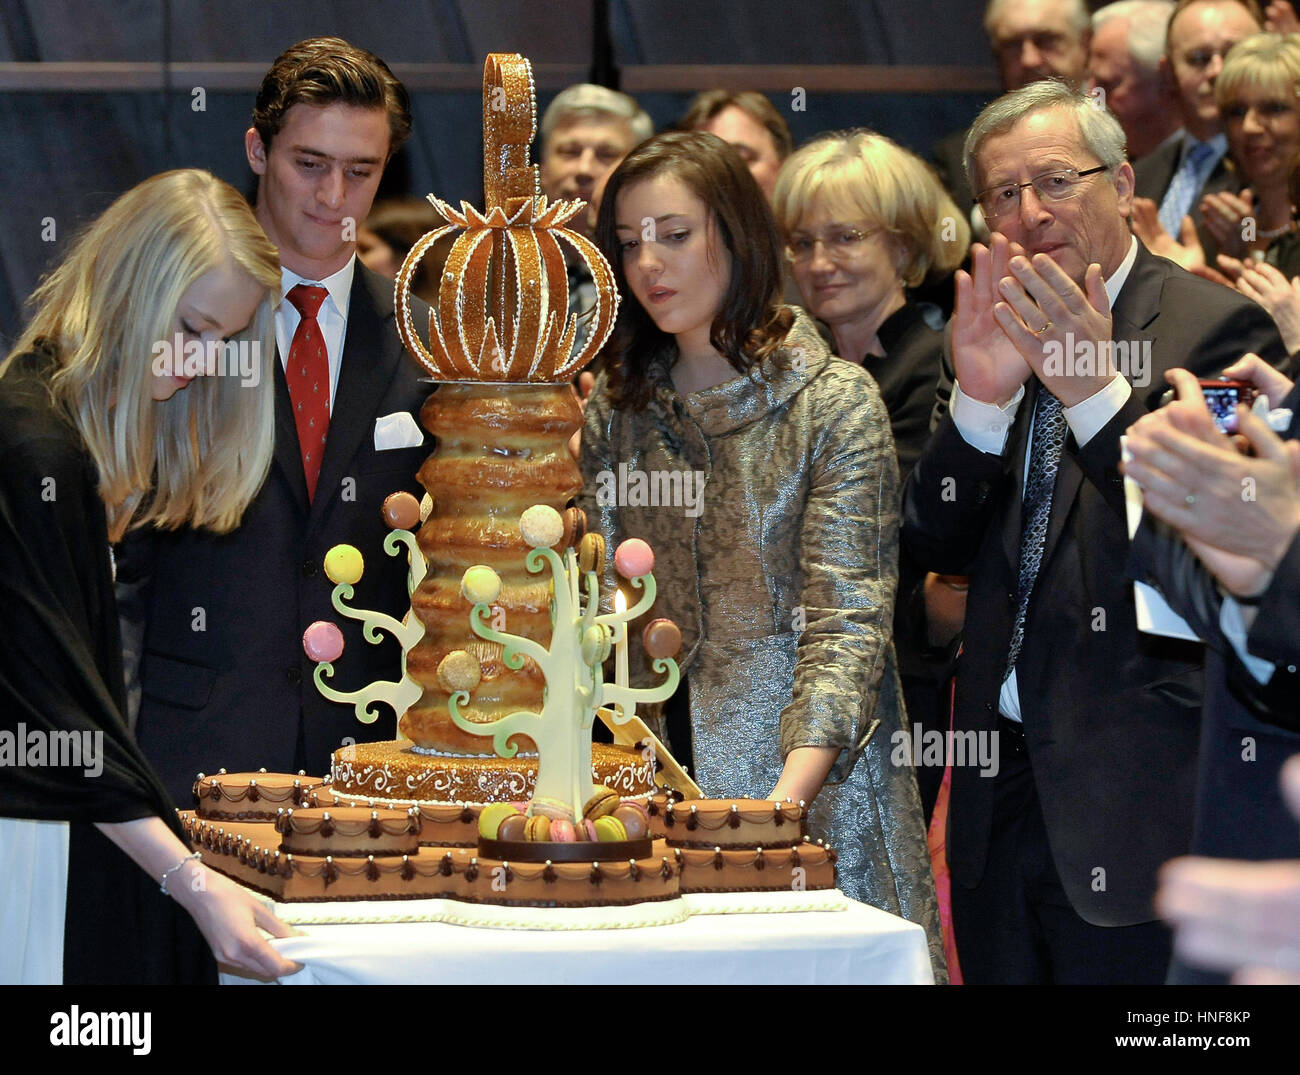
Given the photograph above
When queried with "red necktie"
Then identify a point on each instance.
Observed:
(308, 374)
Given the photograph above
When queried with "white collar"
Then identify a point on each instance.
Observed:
(339, 284)
(1117, 278)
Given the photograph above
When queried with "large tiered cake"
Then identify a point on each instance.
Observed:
(495, 807)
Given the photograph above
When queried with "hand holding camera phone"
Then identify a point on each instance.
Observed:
(1221, 399)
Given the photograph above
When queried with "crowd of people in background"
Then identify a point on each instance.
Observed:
(952, 411)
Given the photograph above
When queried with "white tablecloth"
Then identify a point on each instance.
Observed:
(856, 946)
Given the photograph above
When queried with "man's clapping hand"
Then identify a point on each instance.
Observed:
(988, 365)
(1237, 513)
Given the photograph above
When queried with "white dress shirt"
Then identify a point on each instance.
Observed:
(986, 427)
(332, 317)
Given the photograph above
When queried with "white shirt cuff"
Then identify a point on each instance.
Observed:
(983, 425)
(1086, 419)
(1234, 630)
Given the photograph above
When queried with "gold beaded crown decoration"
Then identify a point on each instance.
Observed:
(502, 312)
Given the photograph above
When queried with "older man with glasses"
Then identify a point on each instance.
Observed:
(1060, 339)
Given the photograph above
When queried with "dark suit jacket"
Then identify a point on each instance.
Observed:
(1248, 729)
(1110, 716)
(224, 677)
(1154, 172)
(951, 166)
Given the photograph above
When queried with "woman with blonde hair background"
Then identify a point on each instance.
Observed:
(1258, 93)
(101, 430)
(1258, 97)
(864, 221)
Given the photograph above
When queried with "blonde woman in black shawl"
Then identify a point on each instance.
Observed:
(102, 430)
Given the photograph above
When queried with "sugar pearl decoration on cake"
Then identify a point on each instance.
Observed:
(323, 641)
(541, 526)
(401, 511)
(459, 671)
(480, 585)
(344, 565)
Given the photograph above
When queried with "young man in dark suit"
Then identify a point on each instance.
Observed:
(1054, 853)
(224, 679)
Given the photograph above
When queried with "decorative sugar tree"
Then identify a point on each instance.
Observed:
(323, 641)
(573, 664)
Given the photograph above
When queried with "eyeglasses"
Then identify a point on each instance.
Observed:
(841, 246)
(1058, 186)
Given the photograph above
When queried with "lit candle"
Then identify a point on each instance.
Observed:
(620, 646)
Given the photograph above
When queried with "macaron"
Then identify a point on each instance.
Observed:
(634, 821)
(401, 511)
(344, 565)
(634, 557)
(591, 553)
(661, 638)
(575, 527)
(541, 526)
(323, 641)
(563, 832)
(586, 829)
(480, 585)
(609, 829)
(538, 829)
(459, 670)
(601, 803)
(490, 818)
(512, 828)
(555, 809)
(638, 806)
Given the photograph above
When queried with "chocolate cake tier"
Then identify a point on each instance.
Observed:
(351, 831)
(731, 823)
(255, 796)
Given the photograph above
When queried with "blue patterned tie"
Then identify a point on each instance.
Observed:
(1182, 190)
(1040, 480)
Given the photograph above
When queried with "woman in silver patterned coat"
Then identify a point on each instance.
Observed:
(762, 472)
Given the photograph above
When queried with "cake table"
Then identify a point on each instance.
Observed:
(857, 946)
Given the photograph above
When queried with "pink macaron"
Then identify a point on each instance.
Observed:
(563, 832)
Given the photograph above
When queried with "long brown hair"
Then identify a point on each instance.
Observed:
(751, 323)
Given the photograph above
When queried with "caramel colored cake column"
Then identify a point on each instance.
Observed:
(501, 449)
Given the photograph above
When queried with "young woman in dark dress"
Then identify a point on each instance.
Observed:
(101, 429)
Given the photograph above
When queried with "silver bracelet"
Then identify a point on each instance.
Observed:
(178, 865)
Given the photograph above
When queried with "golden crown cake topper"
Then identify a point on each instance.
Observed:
(502, 312)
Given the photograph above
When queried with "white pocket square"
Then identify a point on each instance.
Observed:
(398, 430)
